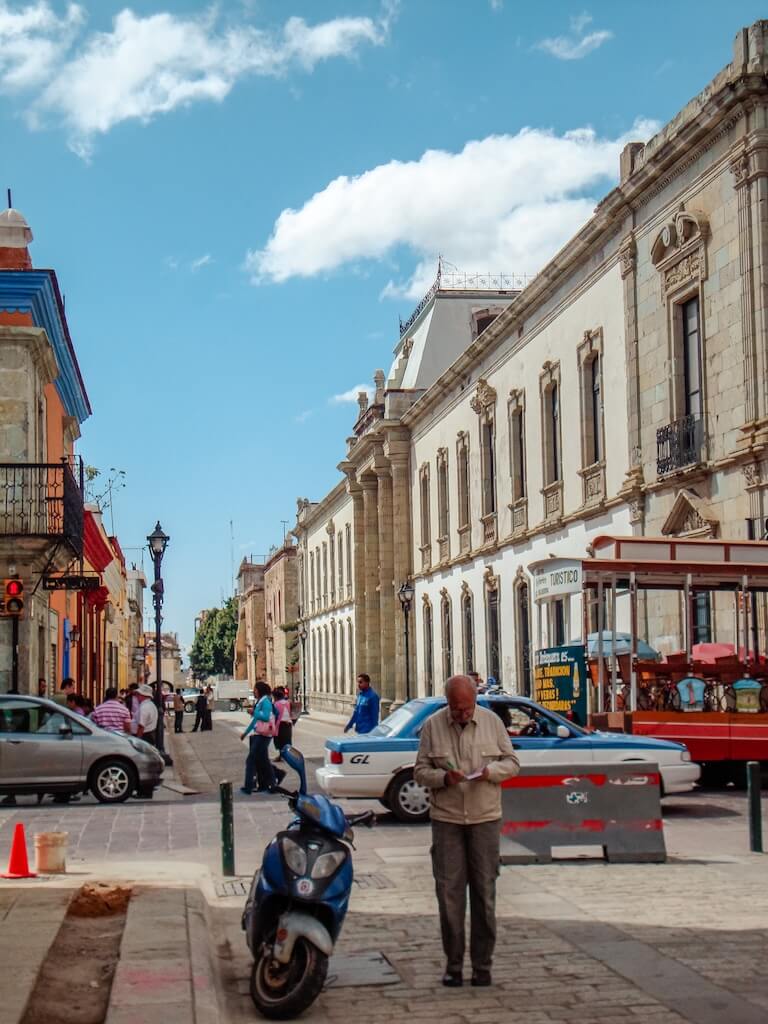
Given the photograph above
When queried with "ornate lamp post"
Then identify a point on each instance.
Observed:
(303, 638)
(157, 542)
(405, 593)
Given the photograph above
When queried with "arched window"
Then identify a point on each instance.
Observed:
(492, 626)
(468, 631)
(350, 657)
(429, 650)
(447, 637)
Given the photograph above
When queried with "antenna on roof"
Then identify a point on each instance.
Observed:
(10, 204)
(285, 526)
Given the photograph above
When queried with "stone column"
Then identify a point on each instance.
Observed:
(369, 643)
(388, 605)
(401, 529)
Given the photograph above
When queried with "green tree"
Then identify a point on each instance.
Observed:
(213, 649)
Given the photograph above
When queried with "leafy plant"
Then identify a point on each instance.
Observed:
(213, 649)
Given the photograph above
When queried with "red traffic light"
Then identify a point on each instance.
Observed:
(13, 597)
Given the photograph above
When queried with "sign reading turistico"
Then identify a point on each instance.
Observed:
(557, 580)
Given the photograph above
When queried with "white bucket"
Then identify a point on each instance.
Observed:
(51, 853)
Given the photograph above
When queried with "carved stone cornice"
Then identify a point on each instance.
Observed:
(628, 256)
(484, 397)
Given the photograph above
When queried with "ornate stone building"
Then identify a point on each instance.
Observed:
(281, 613)
(622, 391)
(250, 660)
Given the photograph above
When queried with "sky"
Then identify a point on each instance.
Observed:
(240, 199)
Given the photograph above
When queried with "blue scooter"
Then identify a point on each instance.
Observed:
(298, 900)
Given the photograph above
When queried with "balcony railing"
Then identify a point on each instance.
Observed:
(41, 500)
(679, 444)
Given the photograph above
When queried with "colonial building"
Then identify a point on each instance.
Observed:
(250, 643)
(281, 613)
(622, 391)
(171, 669)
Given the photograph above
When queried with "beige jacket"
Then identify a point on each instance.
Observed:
(444, 745)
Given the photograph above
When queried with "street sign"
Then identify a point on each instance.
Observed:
(560, 681)
(71, 582)
(557, 579)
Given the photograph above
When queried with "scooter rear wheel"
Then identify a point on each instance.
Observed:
(284, 993)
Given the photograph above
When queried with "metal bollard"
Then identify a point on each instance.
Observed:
(754, 784)
(227, 829)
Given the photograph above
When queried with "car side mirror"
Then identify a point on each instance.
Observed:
(65, 729)
(563, 732)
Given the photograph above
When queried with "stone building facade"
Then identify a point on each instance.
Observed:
(326, 598)
(281, 614)
(622, 391)
(250, 660)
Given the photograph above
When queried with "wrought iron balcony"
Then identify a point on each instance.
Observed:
(679, 444)
(43, 501)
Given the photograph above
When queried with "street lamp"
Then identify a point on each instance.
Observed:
(405, 593)
(157, 542)
(303, 638)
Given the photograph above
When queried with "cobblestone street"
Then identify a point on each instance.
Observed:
(579, 941)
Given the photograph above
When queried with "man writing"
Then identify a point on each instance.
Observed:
(464, 756)
(366, 714)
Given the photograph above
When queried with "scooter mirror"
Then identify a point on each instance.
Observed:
(295, 759)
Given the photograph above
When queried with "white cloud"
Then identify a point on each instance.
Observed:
(504, 203)
(579, 43)
(33, 40)
(351, 395)
(149, 65)
(496, 5)
(201, 261)
(304, 415)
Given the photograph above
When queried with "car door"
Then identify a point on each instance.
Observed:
(533, 733)
(33, 749)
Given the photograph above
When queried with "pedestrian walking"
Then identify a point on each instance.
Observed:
(178, 711)
(464, 756)
(261, 729)
(145, 715)
(208, 716)
(283, 717)
(111, 714)
(201, 706)
(366, 714)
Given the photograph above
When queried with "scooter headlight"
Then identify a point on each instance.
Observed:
(327, 863)
(295, 856)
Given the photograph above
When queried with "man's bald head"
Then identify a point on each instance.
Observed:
(461, 694)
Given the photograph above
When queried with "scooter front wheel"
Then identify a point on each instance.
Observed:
(283, 991)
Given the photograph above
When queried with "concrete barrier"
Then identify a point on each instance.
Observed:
(615, 808)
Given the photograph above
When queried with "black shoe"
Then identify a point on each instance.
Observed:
(279, 775)
(481, 979)
(453, 979)
(246, 791)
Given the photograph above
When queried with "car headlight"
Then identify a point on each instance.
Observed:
(141, 745)
(295, 856)
(326, 864)
(685, 755)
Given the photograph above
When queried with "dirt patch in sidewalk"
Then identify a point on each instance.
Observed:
(75, 980)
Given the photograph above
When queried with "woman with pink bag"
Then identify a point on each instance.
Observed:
(262, 728)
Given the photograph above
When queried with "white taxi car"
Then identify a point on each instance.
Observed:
(379, 765)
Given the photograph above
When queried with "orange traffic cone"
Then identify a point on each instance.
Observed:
(18, 865)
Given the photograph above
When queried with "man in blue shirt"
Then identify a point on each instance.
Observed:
(366, 714)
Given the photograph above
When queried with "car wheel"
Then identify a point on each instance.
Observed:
(408, 801)
(234, 705)
(189, 707)
(112, 782)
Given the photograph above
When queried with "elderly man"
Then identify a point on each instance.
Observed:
(464, 756)
(143, 722)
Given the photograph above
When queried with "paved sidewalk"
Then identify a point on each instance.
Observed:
(578, 944)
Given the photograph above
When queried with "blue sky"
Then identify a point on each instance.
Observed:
(240, 199)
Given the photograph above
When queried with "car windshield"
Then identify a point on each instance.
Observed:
(396, 722)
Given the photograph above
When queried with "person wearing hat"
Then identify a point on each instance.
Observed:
(144, 720)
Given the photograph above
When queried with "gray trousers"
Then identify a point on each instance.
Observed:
(466, 856)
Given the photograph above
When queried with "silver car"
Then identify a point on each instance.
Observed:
(45, 748)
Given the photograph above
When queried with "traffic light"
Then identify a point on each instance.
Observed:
(13, 597)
